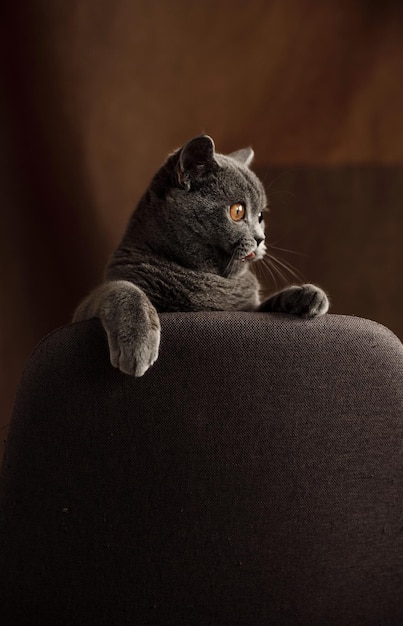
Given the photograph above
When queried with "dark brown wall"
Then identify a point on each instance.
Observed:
(344, 226)
(94, 94)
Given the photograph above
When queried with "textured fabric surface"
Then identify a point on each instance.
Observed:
(253, 476)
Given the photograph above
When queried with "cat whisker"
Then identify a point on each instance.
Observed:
(273, 247)
(227, 270)
(284, 270)
(282, 192)
(262, 269)
(290, 269)
(274, 269)
(270, 184)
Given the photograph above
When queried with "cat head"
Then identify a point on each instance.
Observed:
(212, 207)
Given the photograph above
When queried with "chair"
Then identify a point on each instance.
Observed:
(253, 476)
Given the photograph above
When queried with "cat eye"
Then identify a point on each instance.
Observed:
(237, 211)
(260, 217)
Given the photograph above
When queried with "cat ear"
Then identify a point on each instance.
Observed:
(244, 156)
(196, 159)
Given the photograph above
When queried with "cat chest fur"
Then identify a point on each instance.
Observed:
(171, 287)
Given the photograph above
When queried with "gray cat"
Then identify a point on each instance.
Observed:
(188, 247)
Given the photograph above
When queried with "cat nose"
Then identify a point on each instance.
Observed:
(258, 240)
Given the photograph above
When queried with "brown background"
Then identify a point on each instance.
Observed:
(95, 93)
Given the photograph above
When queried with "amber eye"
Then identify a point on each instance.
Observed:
(237, 211)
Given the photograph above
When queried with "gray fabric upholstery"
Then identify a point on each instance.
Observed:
(253, 476)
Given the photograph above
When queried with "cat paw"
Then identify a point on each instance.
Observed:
(132, 326)
(311, 301)
(304, 301)
(134, 349)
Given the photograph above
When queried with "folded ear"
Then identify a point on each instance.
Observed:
(196, 160)
(244, 156)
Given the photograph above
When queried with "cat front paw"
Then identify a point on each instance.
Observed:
(304, 301)
(132, 326)
(134, 349)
